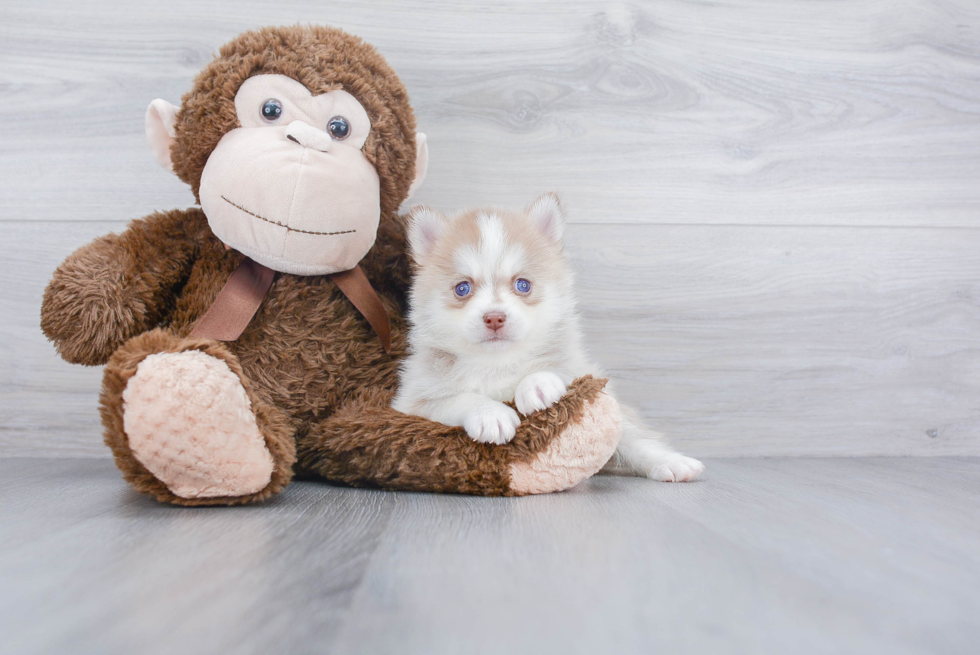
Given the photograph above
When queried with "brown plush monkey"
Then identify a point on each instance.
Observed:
(235, 337)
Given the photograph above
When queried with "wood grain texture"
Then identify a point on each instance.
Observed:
(733, 340)
(749, 112)
(775, 203)
(804, 341)
(763, 555)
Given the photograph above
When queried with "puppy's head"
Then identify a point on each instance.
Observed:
(490, 280)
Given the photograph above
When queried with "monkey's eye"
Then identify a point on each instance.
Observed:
(338, 127)
(522, 286)
(462, 289)
(271, 110)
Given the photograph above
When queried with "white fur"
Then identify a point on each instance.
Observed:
(457, 373)
(425, 230)
(547, 213)
(538, 391)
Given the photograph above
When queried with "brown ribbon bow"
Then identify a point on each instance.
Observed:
(243, 293)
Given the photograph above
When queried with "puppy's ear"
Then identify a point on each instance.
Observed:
(547, 215)
(425, 227)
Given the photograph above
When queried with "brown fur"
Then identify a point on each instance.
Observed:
(120, 285)
(313, 368)
(368, 444)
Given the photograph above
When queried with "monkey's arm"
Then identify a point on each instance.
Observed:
(367, 443)
(119, 285)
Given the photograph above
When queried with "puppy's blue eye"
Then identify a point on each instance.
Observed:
(338, 127)
(271, 110)
(522, 286)
(463, 289)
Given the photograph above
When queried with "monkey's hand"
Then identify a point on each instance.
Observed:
(116, 287)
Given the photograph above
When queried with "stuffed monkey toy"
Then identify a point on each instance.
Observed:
(257, 337)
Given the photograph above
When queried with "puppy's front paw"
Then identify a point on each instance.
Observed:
(676, 468)
(496, 423)
(538, 391)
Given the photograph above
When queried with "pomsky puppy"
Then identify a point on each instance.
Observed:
(493, 319)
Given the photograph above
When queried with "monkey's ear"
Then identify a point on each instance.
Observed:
(547, 214)
(160, 118)
(425, 227)
(421, 163)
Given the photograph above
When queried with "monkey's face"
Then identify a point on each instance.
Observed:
(291, 188)
(296, 175)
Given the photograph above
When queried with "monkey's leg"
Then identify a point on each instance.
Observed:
(185, 425)
(366, 443)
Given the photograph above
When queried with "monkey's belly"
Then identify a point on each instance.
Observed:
(308, 350)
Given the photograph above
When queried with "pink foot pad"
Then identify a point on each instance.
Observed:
(578, 452)
(190, 423)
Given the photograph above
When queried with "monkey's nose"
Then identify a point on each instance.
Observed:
(308, 136)
(494, 320)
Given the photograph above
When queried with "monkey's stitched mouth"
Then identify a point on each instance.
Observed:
(291, 229)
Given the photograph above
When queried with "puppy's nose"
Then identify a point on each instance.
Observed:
(494, 320)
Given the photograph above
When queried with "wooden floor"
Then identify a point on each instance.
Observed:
(764, 555)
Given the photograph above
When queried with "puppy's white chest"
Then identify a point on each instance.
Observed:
(495, 384)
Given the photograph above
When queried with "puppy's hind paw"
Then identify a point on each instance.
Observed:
(538, 391)
(496, 424)
(676, 468)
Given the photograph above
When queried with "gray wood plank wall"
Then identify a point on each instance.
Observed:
(774, 202)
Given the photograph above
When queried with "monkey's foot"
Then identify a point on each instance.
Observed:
(584, 445)
(191, 424)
